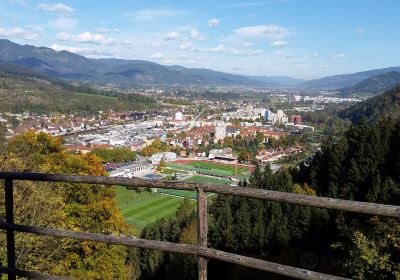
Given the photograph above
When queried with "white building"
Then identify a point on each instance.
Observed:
(220, 131)
(280, 117)
(167, 156)
(179, 116)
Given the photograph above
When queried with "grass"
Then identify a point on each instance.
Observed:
(212, 168)
(195, 179)
(141, 209)
(207, 180)
(170, 171)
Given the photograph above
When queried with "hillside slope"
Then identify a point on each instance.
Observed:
(376, 84)
(386, 104)
(347, 80)
(24, 90)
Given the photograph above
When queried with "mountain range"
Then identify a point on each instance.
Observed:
(125, 73)
(375, 84)
(338, 82)
(132, 73)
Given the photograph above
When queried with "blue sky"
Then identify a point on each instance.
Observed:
(299, 38)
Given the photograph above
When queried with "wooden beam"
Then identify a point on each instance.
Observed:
(9, 202)
(30, 274)
(202, 231)
(177, 248)
(314, 201)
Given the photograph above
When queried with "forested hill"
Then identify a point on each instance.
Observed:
(375, 84)
(22, 89)
(386, 104)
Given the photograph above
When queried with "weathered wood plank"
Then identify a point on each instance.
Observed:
(177, 248)
(202, 231)
(30, 274)
(314, 201)
(9, 202)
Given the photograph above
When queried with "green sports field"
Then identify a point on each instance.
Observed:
(195, 179)
(141, 209)
(207, 180)
(208, 167)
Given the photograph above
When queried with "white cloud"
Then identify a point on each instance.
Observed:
(157, 56)
(55, 7)
(213, 22)
(161, 57)
(271, 31)
(279, 43)
(337, 56)
(85, 37)
(189, 46)
(94, 53)
(255, 4)
(154, 14)
(283, 54)
(326, 66)
(101, 30)
(219, 48)
(58, 48)
(360, 31)
(247, 44)
(194, 34)
(244, 52)
(17, 33)
(171, 36)
(63, 23)
(91, 53)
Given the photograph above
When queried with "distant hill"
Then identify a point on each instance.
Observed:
(374, 108)
(347, 80)
(120, 72)
(278, 80)
(22, 89)
(376, 84)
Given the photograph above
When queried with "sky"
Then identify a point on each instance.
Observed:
(299, 38)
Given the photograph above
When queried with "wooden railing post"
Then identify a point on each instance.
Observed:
(202, 231)
(9, 202)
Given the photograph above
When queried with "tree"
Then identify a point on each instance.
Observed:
(228, 142)
(118, 154)
(161, 166)
(244, 156)
(68, 206)
(259, 137)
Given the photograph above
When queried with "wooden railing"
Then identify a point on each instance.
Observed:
(200, 250)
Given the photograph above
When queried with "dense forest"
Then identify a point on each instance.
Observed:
(373, 109)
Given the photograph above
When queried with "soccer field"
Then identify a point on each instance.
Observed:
(141, 209)
(195, 179)
(207, 180)
(212, 168)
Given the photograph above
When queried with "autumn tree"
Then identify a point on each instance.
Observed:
(78, 207)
